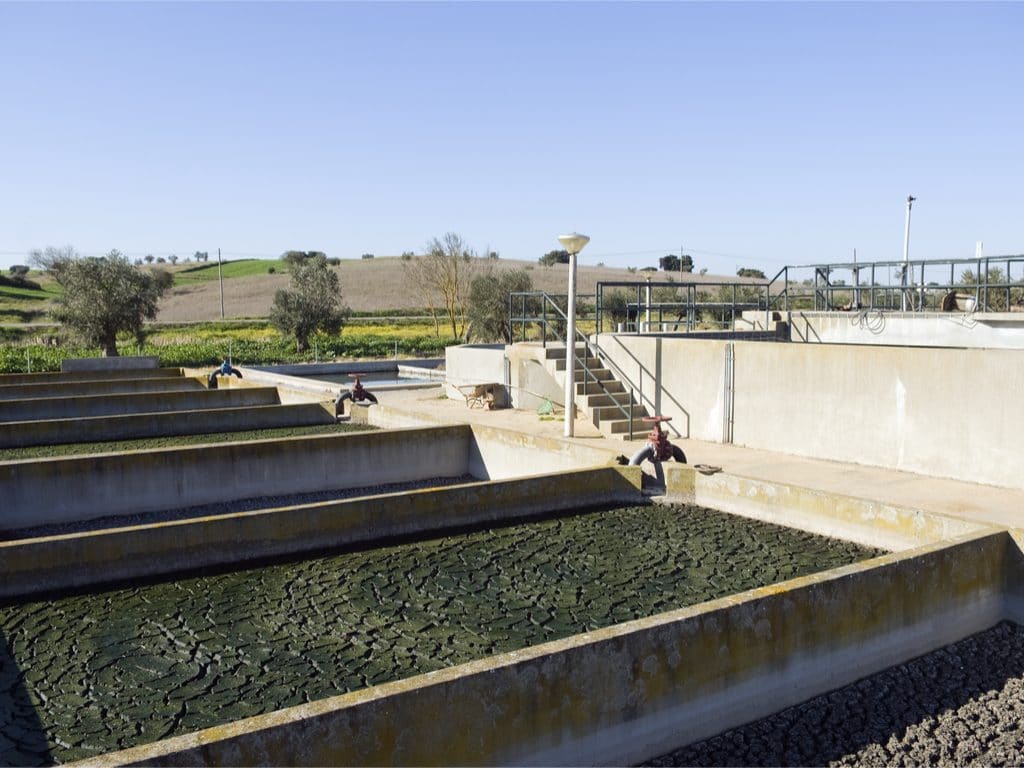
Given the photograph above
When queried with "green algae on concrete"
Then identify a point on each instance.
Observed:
(91, 674)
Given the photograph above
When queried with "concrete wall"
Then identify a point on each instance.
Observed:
(147, 402)
(468, 364)
(630, 692)
(943, 412)
(20, 434)
(499, 453)
(73, 561)
(109, 363)
(531, 382)
(991, 330)
(866, 522)
(84, 388)
(51, 377)
(39, 492)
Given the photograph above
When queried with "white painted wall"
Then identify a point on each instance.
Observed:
(990, 330)
(955, 413)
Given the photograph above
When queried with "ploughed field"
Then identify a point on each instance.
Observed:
(89, 674)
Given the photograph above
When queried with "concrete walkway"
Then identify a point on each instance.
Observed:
(982, 503)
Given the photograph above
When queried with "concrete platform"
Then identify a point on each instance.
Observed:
(969, 501)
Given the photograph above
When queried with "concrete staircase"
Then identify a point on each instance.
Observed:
(599, 394)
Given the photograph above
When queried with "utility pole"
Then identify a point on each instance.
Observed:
(220, 275)
(906, 255)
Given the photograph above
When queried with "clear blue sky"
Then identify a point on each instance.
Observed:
(750, 134)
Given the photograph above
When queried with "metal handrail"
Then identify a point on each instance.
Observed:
(588, 346)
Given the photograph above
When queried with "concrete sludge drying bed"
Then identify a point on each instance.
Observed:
(115, 669)
(541, 636)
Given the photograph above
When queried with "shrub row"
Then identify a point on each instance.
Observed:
(39, 357)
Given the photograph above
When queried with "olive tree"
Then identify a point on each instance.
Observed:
(488, 303)
(313, 303)
(103, 296)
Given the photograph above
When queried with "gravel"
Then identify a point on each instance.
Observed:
(962, 705)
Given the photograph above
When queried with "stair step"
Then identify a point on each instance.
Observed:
(555, 351)
(608, 413)
(611, 386)
(592, 362)
(598, 374)
(620, 428)
(601, 400)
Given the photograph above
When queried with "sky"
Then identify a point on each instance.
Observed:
(749, 135)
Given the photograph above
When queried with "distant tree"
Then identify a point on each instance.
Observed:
(687, 263)
(334, 261)
(442, 279)
(201, 255)
(631, 270)
(173, 259)
(161, 260)
(616, 305)
(554, 257)
(704, 270)
(367, 256)
(493, 255)
(749, 272)
(106, 296)
(488, 303)
(648, 269)
(52, 258)
(313, 303)
(149, 258)
(669, 263)
(19, 270)
(294, 258)
(407, 255)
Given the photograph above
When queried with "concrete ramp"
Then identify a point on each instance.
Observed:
(23, 434)
(150, 402)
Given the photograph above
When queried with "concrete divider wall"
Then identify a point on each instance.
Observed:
(120, 363)
(21, 434)
(942, 412)
(627, 693)
(870, 523)
(110, 387)
(53, 376)
(499, 453)
(101, 557)
(469, 364)
(144, 402)
(38, 492)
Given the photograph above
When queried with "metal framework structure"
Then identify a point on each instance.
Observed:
(989, 284)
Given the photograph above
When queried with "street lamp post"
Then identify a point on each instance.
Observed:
(906, 254)
(573, 244)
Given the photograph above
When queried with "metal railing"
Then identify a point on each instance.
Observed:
(634, 306)
(545, 313)
(916, 286)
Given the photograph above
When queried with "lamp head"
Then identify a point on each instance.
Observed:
(573, 243)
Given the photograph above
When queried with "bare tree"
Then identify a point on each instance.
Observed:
(442, 279)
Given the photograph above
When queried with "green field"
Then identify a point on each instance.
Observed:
(201, 273)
